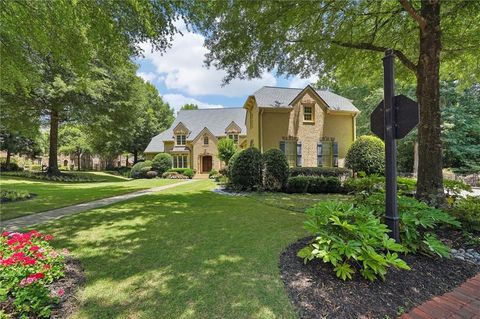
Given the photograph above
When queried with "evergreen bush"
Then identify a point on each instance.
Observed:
(275, 170)
(366, 154)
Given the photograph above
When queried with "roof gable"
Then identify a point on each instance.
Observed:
(180, 128)
(233, 127)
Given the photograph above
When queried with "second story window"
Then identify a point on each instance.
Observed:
(233, 137)
(308, 113)
(181, 139)
(205, 140)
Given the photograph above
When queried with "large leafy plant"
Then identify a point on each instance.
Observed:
(417, 223)
(350, 239)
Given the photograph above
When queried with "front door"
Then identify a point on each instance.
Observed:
(206, 164)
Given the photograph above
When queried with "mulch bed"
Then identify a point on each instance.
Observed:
(317, 293)
(73, 280)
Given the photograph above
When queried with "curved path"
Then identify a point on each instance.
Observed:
(39, 218)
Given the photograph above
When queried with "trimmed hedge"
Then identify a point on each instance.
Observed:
(319, 171)
(161, 163)
(366, 154)
(275, 170)
(140, 169)
(10, 167)
(151, 174)
(313, 184)
(246, 169)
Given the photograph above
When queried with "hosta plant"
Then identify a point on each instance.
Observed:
(351, 239)
(417, 223)
(28, 264)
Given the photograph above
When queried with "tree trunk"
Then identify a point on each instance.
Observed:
(430, 181)
(135, 157)
(7, 160)
(126, 160)
(53, 150)
(79, 156)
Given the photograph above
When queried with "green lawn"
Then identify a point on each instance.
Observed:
(185, 252)
(296, 202)
(50, 195)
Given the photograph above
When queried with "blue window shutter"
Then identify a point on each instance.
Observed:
(335, 154)
(282, 146)
(319, 154)
(299, 154)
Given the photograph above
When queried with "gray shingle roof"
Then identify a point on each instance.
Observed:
(216, 120)
(269, 96)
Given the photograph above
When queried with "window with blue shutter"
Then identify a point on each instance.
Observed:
(335, 154)
(282, 146)
(299, 154)
(319, 154)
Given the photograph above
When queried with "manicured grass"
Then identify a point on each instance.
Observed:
(50, 195)
(185, 252)
(296, 202)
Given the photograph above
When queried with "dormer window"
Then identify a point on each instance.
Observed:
(308, 113)
(205, 140)
(234, 137)
(181, 139)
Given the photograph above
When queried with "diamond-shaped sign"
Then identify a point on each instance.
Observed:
(406, 117)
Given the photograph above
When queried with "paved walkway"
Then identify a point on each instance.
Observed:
(462, 303)
(39, 218)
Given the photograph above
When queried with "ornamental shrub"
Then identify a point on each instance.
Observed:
(245, 172)
(162, 162)
(275, 170)
(226, 149)
(350, 239)
(74, 178)
(319, 171)
(10, 167)
(188, 172)
(13, 195)
(467, 211)
(313, 185)
(151, 174)
(28, 265)
(366, 154)
(140, 169)
(417, 223)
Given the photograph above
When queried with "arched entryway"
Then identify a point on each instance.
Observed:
(207, 163)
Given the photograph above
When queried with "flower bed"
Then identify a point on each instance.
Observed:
(10, 195)
(28, 266)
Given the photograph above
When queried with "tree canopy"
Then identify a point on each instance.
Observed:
(189, 106)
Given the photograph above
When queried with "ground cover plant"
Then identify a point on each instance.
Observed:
(467, 211)
(28, 264)
(75, 178)
(418, 222)
(134, 267)
(351, 239)
(11, 195)
(51, 195)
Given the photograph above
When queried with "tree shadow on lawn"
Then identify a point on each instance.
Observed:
(193, 255)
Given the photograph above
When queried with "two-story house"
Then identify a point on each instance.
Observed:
(312, 127)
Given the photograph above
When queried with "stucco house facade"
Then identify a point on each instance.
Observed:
(312, 127)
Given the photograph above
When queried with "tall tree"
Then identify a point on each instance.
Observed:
(73, 140)
(50, 49)
(13, 142)
(347, 38)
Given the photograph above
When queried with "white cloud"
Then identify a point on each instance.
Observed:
(178, 100)
(298, 82)
(181, 68)
(147, 76)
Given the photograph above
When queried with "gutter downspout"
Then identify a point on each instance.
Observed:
(261, 130)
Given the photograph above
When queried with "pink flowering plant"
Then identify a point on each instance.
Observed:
(28, 265)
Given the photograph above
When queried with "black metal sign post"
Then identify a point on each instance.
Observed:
(392, 119)
(391, 213)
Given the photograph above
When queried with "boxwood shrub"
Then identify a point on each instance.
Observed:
(188, 172)
(140, 169)
(275, 170)
(245, 169)
(161, 163)
(319, 171)
(313, 184)
(366, 154)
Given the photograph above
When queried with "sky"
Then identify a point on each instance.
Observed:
(181, 76)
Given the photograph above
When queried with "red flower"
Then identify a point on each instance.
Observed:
(34, 248)
(5, 234)
(48, 237)
(47, 266)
